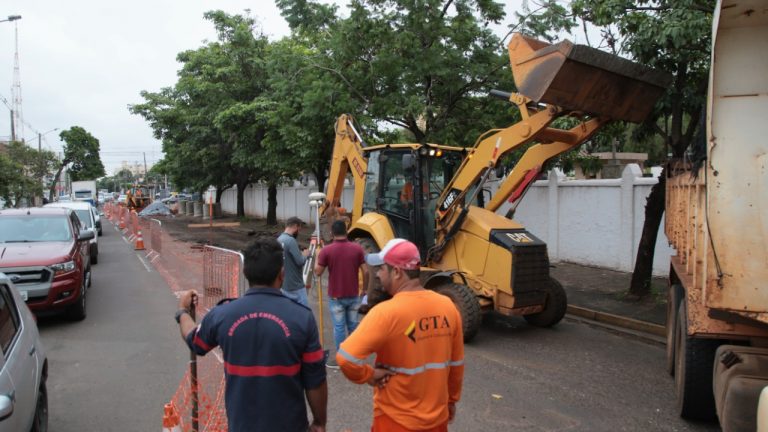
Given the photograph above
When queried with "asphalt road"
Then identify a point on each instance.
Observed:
(573, 377)
(115, 370)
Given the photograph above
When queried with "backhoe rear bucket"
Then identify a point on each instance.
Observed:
(581, 78)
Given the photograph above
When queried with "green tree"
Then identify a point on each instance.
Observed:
(426, 66)
(23, 171)
(671, 36)
(81, 156)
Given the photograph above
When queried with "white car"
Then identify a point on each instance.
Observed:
(87, 215)
(24, 369)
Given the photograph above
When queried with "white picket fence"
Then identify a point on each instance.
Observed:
(589, 222)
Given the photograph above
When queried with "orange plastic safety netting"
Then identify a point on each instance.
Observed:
(200, 406)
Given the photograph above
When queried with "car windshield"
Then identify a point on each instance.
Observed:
(85, 218)
(25, 228)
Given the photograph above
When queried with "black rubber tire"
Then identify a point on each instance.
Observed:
(77, 311)
(40, 421)
(694, 360)
(95, 254)
(467, 304)
(554, 307)
(674, 295)
(374, 290)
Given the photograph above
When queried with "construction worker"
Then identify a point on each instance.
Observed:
(418, 341)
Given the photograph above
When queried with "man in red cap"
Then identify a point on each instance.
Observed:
(418, 341)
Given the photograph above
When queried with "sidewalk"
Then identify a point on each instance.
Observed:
(605, 292)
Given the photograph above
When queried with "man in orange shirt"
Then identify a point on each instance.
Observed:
(418, 341)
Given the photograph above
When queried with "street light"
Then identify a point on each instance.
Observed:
(11, 18)
(40, 138)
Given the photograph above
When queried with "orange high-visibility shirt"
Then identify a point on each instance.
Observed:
(418, 335)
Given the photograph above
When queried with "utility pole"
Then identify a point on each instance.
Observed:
(13, 128)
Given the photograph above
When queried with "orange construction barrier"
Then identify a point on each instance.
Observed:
(122, 220)
(171, 421)
(139, 242)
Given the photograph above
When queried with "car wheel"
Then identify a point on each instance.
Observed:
(95, 254)
(77, 311)
(40, 422)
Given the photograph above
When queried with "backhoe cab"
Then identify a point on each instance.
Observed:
(431, 194)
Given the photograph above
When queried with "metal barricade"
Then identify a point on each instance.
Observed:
(222, 276)
(155, 239)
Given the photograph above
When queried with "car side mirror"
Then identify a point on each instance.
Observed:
(6, 406)
(85, 235)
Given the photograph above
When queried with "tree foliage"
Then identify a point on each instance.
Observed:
(423, 66)
(23, 171)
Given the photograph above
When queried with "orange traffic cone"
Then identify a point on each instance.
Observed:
(139, 242)
(122, 222)
(170, 419)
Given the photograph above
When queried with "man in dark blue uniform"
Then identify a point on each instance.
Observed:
(272, 354)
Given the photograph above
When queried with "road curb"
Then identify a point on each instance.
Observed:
(617, 321)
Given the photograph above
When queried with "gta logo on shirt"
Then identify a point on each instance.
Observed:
(436, 325)
(411, 331)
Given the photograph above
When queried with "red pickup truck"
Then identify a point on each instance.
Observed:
(45, 253)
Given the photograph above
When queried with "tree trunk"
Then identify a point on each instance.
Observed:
(220, 191)
(55, 182)
(654, 210)
(320, 177)
(272, 204)
(241, 199)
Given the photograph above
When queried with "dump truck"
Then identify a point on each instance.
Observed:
(432, 194)
(717, 221)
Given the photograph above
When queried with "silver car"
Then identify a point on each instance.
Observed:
(24, 368)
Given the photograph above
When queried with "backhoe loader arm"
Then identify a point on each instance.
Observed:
(553, 81)
(347, 156)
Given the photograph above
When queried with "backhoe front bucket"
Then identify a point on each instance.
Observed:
(581, 78)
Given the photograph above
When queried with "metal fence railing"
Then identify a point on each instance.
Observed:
(222, 275)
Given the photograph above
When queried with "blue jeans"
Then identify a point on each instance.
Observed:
(344, 316)
(299, 295)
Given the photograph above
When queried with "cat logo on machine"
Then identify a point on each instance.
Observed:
(520, 237)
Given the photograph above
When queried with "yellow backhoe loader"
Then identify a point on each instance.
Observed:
(432, 194)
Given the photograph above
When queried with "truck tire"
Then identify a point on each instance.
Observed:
(694, 360)
(372, 284)
(466, 303)
(77, 311)
(554, 307)
(674, 295)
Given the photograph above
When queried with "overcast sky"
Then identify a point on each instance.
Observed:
(82, 62)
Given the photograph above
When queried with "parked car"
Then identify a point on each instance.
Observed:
(24, 371)
(45, 252)
(87, 215)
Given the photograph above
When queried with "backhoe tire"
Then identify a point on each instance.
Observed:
(371, 282)
(467, 304)
(554, 306)
(694, 360)
(674, 296)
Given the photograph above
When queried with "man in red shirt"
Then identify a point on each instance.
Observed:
(343, 259)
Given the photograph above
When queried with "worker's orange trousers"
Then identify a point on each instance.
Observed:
(382, 423)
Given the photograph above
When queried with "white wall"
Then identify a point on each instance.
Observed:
(590, 222)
